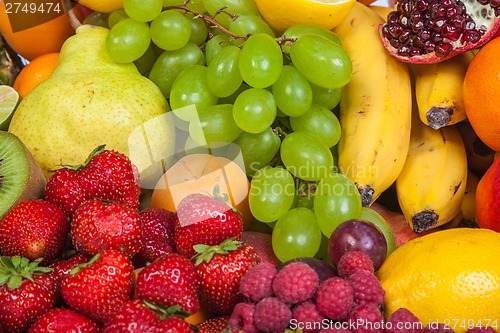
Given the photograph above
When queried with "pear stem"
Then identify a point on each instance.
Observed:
(73, 20)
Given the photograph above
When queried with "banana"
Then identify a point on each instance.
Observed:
(439, 90)
(375, 108)
(467, 215)
(431, 187)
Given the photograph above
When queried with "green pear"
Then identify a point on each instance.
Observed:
(90, 100)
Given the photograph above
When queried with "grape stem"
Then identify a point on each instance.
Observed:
(70, 12)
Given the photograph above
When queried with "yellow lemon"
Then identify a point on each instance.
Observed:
(102, 6)
(450, 276)
(282, 14)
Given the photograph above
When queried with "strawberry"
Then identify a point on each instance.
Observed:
(145, 317)
(204, 219)
(63, 320)
(98, 288)
(34, 229)
(220, 269)
(27, 291)
(214, 325)
(105, 175)
(157, 233)
(98, 226)
(168, 281)
(62, 267)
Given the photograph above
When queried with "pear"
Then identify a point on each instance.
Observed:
(89, 100)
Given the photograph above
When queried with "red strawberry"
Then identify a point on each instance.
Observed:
(34, 229)
(169, 281)
(27, 291)
(220, 269)
(145, 317)
(214, 325)
(62, 267)
(100, 287)
(203, 219)
(63, 320)
(98, 226)
(105, 175)
(157, 233)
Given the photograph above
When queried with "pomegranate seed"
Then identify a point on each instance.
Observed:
(443, 49)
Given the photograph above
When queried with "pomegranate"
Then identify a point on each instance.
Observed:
(429, 31)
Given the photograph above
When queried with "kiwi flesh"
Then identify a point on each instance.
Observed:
(21, 177)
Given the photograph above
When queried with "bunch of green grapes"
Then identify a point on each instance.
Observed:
(231, 81)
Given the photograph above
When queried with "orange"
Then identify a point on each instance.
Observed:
(482, 94)
(41, 39)
(201, 173)
(38, 70)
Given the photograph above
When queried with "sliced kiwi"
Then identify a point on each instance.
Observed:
(21, 178)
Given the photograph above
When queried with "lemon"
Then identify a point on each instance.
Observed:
(8, 103)
(282, 14)
(450, 276)
(102, 6)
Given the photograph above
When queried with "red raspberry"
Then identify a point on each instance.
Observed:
(334, 298)
(272, 315)
(296, 282)
(481, 329)
(257, 283)
(307, 315)
(366, 288)
(242, 318)
(366, 319)
(403, 321)
(353, 261)
(439, 328)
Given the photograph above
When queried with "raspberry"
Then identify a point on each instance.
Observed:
(366, 288)
(481, 329)
(242, 317)
(308, 316)
(334, 298)
(439, 328)
(257, 283)
(296, 282)
(366, 319)
(403, 321)
(353, 261)
(271, 315)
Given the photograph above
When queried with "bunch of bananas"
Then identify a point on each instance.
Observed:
(398, 127)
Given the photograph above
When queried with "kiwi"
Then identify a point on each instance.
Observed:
(21, 178)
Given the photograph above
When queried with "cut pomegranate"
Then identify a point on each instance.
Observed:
(429, 31)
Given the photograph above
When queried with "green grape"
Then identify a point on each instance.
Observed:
(250, 24)
(97, 19)
(272, 192)
(171, 63)
(322, 253)
(116, 16)
(292, 92)
(235, 7)
(321, 61)
(223, 73)
(336, 200)
(170, 30)
(191, 87)
(196, 5)
(146, 61)
(199, 29)
(261, 61)
(296, 235)
(254, 110)
(319, 122)
(326, 96)
(257, 149)
(214, 45)
(143, 10)
(215, 126)
(128, 40)
(298, 30)
(305, 157)
(377, 219)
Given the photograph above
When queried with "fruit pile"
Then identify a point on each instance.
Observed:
(255, 166)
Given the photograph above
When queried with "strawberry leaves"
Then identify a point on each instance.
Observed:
(15, 269)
